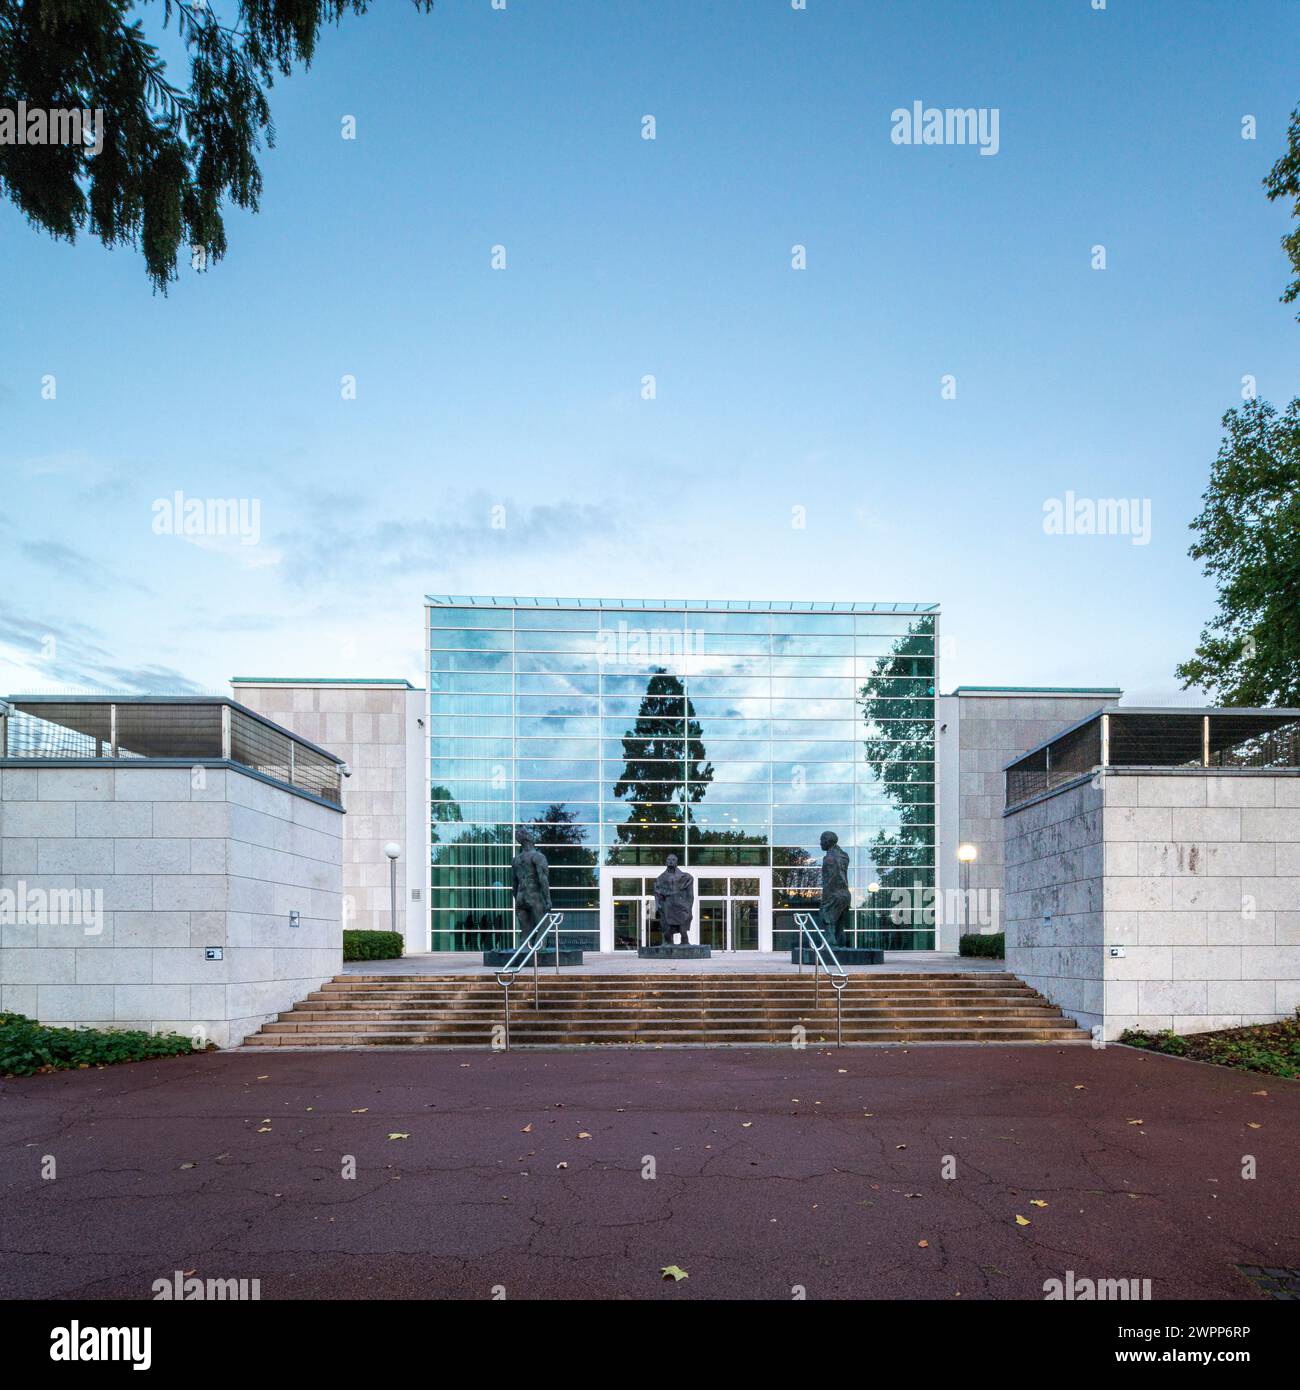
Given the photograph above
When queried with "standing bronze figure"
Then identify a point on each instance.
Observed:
(529, 882)
(674, 902)
(836, 898)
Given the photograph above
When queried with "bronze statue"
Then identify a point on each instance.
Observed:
(836, 898)
(674, 902)
(529, 882)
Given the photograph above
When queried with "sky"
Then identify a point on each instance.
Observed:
(395, 415)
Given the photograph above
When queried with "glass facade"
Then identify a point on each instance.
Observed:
(729, 734)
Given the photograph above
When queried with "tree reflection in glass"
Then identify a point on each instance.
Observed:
(665, 767)
(898, 708)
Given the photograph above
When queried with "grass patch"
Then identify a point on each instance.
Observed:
(28, 1047)
(372, 945)
(1273, 1048)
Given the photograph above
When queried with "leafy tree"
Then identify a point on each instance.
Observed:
(1249, 541)
(1283, 181)
(170, 155)
(665, 770)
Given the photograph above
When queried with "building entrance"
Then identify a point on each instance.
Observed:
(733, 909)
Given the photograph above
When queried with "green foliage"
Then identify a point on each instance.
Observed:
(27, 1047)
(1249, 540)
(172, 155)
(992, 945)
(1165, 1041)
(1283, 181)
(1266, 1047)
(372, 945)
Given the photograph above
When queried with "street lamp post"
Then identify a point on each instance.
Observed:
(393, 850)
(967, 854)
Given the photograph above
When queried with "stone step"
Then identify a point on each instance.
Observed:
(529, 1019)
(548, 1009)
(696, 1010)
(521, 1037)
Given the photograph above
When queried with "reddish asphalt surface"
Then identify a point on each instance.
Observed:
(775, 1169)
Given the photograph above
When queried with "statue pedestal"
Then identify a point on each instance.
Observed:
(846, 955)
(675, 952)
(569, 955)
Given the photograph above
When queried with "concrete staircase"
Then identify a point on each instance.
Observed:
(649, 1010)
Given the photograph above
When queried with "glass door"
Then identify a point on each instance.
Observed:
(729, 912)
(627, 924)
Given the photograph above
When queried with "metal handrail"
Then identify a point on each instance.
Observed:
(824, 958)
(528, 950)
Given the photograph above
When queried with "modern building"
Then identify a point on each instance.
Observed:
(1153, 868)
(376, 726)
(728, 733)
(165, 864)
(981, 727)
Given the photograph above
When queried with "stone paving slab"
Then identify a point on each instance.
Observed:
(773, 1170)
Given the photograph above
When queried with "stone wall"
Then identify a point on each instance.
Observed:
(1203, 893)
(180, 859)
(1053, 908)
(368, 725)
(1193, 874)
(980, 732)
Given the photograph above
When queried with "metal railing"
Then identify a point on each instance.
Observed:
(175, 729)
(824, 958)
(528, 950)
(1173, 739)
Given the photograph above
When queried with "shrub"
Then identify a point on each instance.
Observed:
(1268, 1047)
(1164, 1041)
(27, 1046)
(372, 945)
(993, 945)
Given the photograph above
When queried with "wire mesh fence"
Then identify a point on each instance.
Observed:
(176, 730)
(1158, 739)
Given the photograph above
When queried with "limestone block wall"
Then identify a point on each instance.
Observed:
(370, 724)
(1203, 893)
(160, 863)
(1193, 874)
(1053, 907)
(981, 730)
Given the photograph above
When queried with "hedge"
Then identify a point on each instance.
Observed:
(993, 945)
(372, 945)
(27, 1046)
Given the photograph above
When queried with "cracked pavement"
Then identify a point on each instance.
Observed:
(775, 1170)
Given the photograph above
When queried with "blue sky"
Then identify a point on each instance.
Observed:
(776, 389)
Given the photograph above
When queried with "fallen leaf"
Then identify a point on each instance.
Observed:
(1033, 1202)
(266, 1129)
(1259, 1093)
(673, 1272)
(582, 1134)
(364, 1110)
(1080, 1087)
(746, 1124)
(262, 1078)
(1137, 1122)
(1023, 1220)
(189, 1165)
(399, 1135)
(527, 1129)
(1250, 1124)
(923, 1244)
(561, 1165)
